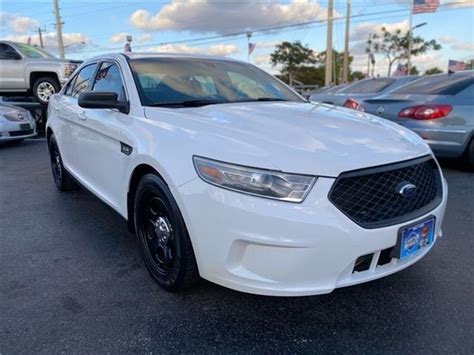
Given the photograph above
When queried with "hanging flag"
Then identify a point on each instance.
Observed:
(420, 6)
(402, 70)
(127, 47)
(454, 65)
(252, 47)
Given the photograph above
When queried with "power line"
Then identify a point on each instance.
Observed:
(223, 37)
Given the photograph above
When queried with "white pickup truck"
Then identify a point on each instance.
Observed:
(29, 69)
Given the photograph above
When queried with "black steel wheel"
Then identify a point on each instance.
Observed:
(62, 179)
(162, 236)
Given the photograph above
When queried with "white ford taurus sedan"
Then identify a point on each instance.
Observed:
(223, 172)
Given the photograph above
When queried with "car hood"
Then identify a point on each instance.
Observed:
(5, 108)
(292, 137)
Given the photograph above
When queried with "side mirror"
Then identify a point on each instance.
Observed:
(102, 100)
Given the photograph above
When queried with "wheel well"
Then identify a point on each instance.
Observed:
(39, 74)
(139, 172)
(49, 133)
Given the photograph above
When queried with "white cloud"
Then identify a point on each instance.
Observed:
(72, 41)
(456, 44)
(261, 60)
(362, 31)
(121, 37)
(358, 48)
(16, 23)
(226, 16)
(217, 49)
(143, 38)
(458, 3)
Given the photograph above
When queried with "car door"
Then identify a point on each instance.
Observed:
(68, 112)
(12, 75)
(102, 136)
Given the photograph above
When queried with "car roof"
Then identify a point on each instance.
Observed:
(141, 55)
(8, 42)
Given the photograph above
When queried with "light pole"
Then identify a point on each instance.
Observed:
(410, 35)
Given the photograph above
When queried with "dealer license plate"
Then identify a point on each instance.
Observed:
(415, 237)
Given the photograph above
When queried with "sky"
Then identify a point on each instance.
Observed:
(197, 26)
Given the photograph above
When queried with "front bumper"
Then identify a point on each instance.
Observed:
(269, 247)
(12, 130)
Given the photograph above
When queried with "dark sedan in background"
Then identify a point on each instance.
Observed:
(440, 108)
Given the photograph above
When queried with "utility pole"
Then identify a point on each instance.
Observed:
(410, 31)
(40, 34)
(345, 70)
(369, 42)
(328, 76)
(59, 32)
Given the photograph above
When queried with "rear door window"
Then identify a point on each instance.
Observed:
(437, 85)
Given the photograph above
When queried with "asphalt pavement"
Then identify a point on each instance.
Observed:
(72, 280)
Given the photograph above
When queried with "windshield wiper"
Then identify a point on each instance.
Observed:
(263, 99)
(187, 103)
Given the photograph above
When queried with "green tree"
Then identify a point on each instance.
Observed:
(414, 70)
(309, 75)
(394, 46)
(357, 75)
(338, 59)
(292, 56)
(432, 71)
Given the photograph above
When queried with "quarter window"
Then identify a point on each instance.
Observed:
(108, 79)
(83, 79)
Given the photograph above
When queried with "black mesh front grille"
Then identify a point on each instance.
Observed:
(20, 133)
(371, 197)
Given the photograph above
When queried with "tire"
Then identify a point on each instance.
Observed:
(162, 236)
(63, 180)
(44, 88)
(469, 155)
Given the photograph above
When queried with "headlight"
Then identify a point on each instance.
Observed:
(259, 182)
(69, 69)
(17, 116)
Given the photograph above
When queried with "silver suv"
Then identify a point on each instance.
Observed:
(29, 69)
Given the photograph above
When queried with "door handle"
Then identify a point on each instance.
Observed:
(82, 116)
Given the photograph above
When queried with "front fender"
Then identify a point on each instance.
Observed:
(53, 68)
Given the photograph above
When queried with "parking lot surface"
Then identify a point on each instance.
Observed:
(72, 280)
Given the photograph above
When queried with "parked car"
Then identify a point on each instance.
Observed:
(16, 124)
(325, 93)
(226, 173)
(26, 69)
(353, 94)
(440, 108)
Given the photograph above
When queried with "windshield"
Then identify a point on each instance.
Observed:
(180, 81)
(368, 86)
(33, 52)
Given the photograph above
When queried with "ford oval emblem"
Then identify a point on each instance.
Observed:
(406, 189)
(381, 110)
